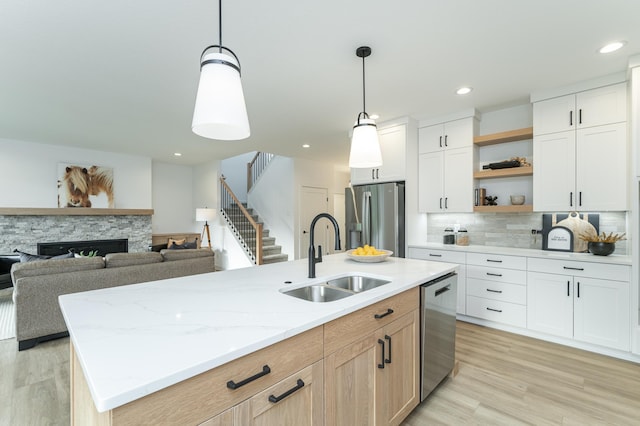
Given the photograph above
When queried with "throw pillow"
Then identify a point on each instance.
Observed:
(187, 245)
(171, 242)
(28, 257)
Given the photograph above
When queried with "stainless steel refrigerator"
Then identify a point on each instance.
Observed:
(375, 215)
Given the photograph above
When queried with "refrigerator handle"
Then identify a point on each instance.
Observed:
(366, 218)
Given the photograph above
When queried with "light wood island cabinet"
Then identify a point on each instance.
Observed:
(372, 372)
(362, 368)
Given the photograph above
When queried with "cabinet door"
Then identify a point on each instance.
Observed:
(362, 176)
(431, 182)
(458, 133)
(554, 115)
(399, 393)
(431, 139)
(602, 312)
(601, 168)
(550, 303)
(458, 180)
(393, 147)
(226, 418)
(296, 400)
(351, 383)
(605, 105)
(554, 159)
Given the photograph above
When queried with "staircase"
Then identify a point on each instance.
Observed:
(271, 253)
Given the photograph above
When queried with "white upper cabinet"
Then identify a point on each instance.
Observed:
(393, 142)
(580, 151)
(596, 107)
(449, 135)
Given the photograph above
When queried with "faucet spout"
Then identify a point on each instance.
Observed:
(312, 251)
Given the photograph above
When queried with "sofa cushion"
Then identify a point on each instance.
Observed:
(170, 255)
(54, 266)
(115, 260)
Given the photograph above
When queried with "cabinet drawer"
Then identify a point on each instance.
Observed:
(505, 292)
(201, 397)
(349, 328)
(497, 274)
(437, 255)
(504, 312)
(580, 269)
(500, 261)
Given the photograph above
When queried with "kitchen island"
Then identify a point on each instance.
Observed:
(131, 342)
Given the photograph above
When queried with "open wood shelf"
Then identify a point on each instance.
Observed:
(525, 208)
(498, 173)
(502, 137)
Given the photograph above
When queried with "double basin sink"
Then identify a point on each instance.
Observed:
(337, 288)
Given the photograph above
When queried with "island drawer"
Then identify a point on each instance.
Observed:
(200, 398)
(349, 328)
(493, 310)
(497, 260)
(505, 292)
(580, 269)
(491, 273)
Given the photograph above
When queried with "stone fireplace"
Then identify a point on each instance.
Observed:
(24, 228)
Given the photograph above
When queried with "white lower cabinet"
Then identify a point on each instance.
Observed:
(497, 289)
(588, 309)
(450, 257)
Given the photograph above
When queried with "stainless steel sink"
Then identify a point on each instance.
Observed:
(337, 288)
(357, 283)
(318, 293)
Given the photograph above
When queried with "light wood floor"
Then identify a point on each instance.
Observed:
(503, 379)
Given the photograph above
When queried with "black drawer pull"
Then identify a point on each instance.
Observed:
(494, 261)
(274, 399)
(494, 310)
(233, 385)
(381, 365)
(573, 269)
(388, 338)
(444, 289)
(491, 274)
(378, 316)
(494, 291)
(435, 255)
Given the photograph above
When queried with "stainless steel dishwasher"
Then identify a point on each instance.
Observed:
(438, 330)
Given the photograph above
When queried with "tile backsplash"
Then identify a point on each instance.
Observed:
(512, 229)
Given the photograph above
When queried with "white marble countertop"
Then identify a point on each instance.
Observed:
(137, 339)
(544, 254)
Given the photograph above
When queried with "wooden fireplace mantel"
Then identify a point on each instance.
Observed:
(72, 211)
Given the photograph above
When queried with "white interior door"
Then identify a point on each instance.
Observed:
(313, 201)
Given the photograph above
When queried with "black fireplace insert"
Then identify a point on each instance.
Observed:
(84, 247)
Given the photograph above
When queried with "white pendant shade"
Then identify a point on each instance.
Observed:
(220, 111)
(365, 147)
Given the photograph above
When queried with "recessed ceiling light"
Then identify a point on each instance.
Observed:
(177, 154)
(612, 47)
(374, 116)
(306, 145)
(464, 90)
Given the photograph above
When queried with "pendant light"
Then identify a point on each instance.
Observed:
(365, 147)
(220, 111)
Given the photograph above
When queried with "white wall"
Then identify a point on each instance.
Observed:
(33, 168)
(173, 204)
(235, 171)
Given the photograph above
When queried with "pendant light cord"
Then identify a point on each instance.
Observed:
(220, 23)
(364, 109)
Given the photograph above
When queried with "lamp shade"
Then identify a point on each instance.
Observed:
(205, 214)
(365, 147)
(220, 111)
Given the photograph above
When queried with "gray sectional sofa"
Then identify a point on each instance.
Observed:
(38, 284)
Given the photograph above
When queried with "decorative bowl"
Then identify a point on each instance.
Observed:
(602, 249)
(517, 200)
(369, 259)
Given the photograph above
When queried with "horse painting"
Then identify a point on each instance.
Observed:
(85, 187)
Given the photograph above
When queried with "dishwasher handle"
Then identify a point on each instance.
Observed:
(442, 290)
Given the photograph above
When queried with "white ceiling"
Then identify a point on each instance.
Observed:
(121, 75)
